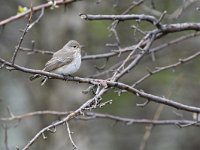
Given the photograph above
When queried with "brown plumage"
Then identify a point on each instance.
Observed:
(66, 61)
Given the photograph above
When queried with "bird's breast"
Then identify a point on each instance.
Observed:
(71, 67)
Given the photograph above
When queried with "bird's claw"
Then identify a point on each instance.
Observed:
(68, 77)
(44, 80)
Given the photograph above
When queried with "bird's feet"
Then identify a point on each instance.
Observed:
(44, 80)
(68, 77)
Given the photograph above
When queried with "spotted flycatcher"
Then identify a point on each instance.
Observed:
(65, 61)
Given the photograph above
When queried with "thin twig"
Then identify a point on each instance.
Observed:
(131, 121)
(159, 69)
(34, 9)
(5, 127)
(19, 44)
(162, 16)
(93, 115)
(178, 12)
(37, 20)
(175, 41)
(147, 18)
(111, 69)
(143, 104)
(116, 52)
(32, 51)
(27, 28)
(66, 119)
(31, 114)
(133, 5)
(148, 39)
(70, 136)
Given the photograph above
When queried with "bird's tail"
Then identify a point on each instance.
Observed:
(34, 77)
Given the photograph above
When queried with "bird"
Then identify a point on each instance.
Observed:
(65, 61)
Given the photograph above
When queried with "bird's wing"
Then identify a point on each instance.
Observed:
(59, 59)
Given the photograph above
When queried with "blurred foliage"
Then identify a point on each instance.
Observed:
(21, 9)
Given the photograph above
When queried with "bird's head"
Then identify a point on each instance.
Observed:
(72, 44)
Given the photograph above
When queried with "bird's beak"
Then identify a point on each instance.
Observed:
(82, 46)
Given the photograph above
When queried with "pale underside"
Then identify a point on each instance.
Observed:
(70, 68)
(65, 63)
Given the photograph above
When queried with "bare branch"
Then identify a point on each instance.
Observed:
(19, 44)
(177, 13)
(27, 28)
(34, 9)
(147, 18)
(175, 41)
(41, 132)
(70, 136)
(148, 39)
(37, 20)
(33, 50)
(72, 115)
(119, 85)
(31, 114)
(162, 16)
(126, 59)
(93, 115)
(116, 52)
(130, 121)
(159, 69)
(133, 5)
(143, 104)
(5, 127)
(111, 69)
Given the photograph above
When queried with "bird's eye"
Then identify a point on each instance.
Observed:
(74, 46)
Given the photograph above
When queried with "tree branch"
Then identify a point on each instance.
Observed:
(34, 9)
(147, 18)
(119, 85)
(159, 69)
(130, 121)
(31, 114)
